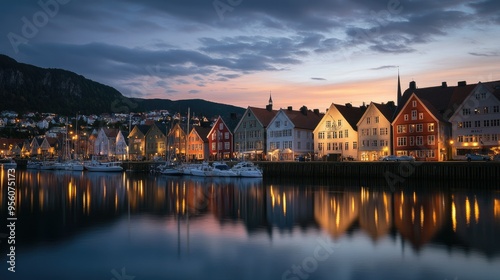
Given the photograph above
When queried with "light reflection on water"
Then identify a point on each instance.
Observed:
(91, 225)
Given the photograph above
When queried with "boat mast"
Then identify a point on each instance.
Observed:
(187, 134)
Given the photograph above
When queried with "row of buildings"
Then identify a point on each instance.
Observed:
(435, 123)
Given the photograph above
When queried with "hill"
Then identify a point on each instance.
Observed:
(25, 88)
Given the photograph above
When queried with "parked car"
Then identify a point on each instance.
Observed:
(398, 158)
(477, 157)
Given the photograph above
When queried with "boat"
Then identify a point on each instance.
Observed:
(203, 170)
(247, 169)
(8, 163)
(71, 165)
(96, 166)
(47, 165)
(169, 169)
(221, 169)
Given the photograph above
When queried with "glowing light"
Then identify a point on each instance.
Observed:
(454, 216)
(476, 211)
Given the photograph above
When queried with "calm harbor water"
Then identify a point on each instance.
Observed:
(137, 226)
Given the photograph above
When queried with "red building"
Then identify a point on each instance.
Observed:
(421, 127)
(220, 141)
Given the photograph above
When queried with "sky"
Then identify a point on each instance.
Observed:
(302, 52)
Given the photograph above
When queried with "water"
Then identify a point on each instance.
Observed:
(137, 226)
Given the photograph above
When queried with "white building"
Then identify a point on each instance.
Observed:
(374, 131)
(476, 122)
(290, 134)
(336, 135)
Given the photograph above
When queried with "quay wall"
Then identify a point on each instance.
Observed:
(394, 171)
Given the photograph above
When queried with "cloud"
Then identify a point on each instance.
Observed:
(384, 67)
(486, 54)
(318, 79)
(193, 91)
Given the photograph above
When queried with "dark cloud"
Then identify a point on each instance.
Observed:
(193, 91)
(485, 54)
(318, 79)
(384, 67)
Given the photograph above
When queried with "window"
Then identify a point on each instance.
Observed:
(226, 135)
(485, 110)
(354, 145)
(346, 133)
(321, 135)
(430, 127)
(486, 123)
(374, 143)
(328, 124)
(328, 146)
(430, 140)
(466, 111)
(382, 143)
(496, 109)
(412, 128)
(339, 122)
(347, 146)
(401, 128)
(477, 123)
(374, 131)
(460, 124)
(383, 131)
(419, 140)
(277, 124)
(376, 119)
(214, 146)
(406, 117)
(420, 127)
(401, 141)
(221, 126)
(414, 103)
(412, 141)
(368, 120)
(227, 146)
(340, 134)
(420, 116)
(320, 146)
(414, 114)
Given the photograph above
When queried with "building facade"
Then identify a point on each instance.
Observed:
(220, 141)
(198, 144)
(290, 134)
(137, 142)
(476, 122)
(375, 131)
(336, 135)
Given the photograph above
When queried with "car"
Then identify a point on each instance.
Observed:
(477, 157)
(398, 158)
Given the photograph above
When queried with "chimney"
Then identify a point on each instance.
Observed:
(348, 105)
(316, 111)
(462, 83)
(290, 108)
(413, 85)
(443, 85)
(303, 110)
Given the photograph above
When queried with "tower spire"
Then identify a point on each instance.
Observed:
(269, 106)
(399, 90)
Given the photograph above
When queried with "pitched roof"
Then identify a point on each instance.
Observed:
(387, 110)
(143, 128)
(351, 114)
(110, 132)
(441, 101)
(202, 132)
(494, 88)
(306, 120)
(263, 115)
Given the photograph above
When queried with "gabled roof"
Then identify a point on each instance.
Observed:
(441, 101)
(143, 128)
(214, 126)
(305, 120)
(110, 132)
(351, 114)
(264, 116)
(202, 132)
(493, 87)
(387, 110)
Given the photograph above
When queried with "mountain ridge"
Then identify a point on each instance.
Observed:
(29, 88)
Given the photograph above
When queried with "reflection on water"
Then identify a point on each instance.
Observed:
(57, 206)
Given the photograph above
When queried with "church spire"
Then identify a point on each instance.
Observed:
(399, 90)
(269, 106)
